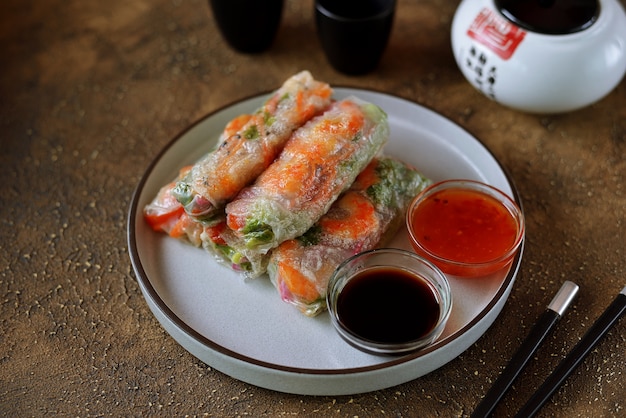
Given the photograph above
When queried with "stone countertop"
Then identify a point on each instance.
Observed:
(90, 92)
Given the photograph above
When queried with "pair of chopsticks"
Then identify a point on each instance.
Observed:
(546, 322)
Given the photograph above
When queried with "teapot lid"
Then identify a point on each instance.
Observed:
(552, 17)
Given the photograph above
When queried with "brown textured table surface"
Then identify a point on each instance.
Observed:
(89, 94)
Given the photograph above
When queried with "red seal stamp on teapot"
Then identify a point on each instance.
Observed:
(496, 33)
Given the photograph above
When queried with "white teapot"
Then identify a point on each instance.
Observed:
(541, 56)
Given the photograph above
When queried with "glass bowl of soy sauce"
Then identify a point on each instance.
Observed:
(388, 301)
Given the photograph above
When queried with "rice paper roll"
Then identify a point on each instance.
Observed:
(363, 218)
(248, 146)
(165, 214)
(230, 250)
(320, 161)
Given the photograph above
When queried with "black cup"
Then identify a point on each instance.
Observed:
(354, 33)
(248, 25)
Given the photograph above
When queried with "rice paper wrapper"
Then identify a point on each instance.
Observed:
(248, 146)
(230, 250)
(165, 214)
(319, 162)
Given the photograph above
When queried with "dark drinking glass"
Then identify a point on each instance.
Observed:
(354, 33)
(248, 25)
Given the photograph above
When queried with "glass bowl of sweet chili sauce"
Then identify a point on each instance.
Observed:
(388, 301)
(465, 227)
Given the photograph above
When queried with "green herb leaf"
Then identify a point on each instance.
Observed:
(252, 132)
(311, 237)
(183, 193)
(257, 232)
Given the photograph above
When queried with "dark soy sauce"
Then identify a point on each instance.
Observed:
(551, 17)
(388, 305)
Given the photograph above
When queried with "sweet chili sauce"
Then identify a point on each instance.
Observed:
(465, 226)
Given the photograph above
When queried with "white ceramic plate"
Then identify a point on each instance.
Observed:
(243, 329)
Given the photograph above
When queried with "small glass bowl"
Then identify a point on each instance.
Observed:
(465, 227)
(388, 301)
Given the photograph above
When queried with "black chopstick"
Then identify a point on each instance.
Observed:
(540, 330)
(591, 338)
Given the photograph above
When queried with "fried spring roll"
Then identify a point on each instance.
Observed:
(362, 219)
(165, 214)
(318, 163)
(249, 145)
